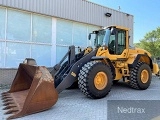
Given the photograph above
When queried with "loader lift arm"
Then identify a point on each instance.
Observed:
(63, 64)
(61, 69)
(65, 73)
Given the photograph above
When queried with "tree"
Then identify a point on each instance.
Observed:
(138, 45)
(151, 42)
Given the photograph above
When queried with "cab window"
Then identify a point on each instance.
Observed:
(121, 41)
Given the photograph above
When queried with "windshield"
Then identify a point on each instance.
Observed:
(102, 37)
(99, 38)
(107, 37)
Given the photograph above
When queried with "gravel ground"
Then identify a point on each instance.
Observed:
(73, 105)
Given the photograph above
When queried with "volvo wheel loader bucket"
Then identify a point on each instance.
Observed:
(32, 91)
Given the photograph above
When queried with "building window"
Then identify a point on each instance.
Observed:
(24, 35)
(42, 54)
(18, 25)
(29, 35)
(64, 32)
(2, 22)
(16, 53)
(80, 34)
(2, 54)
(41, 29)
(60, 52)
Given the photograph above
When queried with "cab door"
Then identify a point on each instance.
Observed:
(118, 43)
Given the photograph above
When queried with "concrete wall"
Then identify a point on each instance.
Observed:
(7, 76)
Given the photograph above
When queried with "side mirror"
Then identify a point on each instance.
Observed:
(89, 36)
(113, 31)
(129, 37)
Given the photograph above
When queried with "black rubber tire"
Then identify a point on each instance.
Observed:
(115, 81)
(135, 76)
(86, 79)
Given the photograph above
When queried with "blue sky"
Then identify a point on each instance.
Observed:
(146, 14)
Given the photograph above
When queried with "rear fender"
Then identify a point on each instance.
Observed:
(134, 59)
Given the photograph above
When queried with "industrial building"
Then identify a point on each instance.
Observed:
(43, 29)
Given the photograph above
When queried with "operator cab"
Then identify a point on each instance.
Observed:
(113, 38)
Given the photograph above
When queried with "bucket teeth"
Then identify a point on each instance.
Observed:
(8, 103)
(11, 110)
(3, 93)
(5, 96)
(9, 106)
(7, 100)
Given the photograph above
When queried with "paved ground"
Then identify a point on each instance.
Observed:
(73, 105)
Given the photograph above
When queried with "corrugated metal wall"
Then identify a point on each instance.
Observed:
(77, 10)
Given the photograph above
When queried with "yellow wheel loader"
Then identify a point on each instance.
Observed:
(35, 89)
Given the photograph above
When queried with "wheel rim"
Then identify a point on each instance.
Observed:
(144, 76)
(100, 80)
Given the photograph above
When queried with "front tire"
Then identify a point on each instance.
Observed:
(95, 79)
(140, 76)
(115, 82)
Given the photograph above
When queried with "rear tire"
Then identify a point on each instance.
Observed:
(140, 76)
(95, 79)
